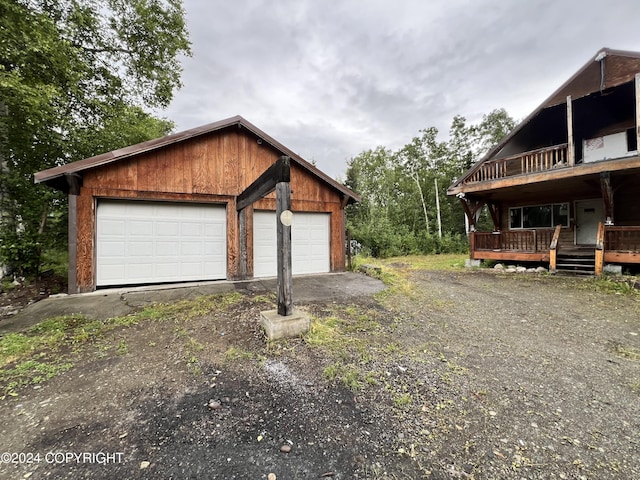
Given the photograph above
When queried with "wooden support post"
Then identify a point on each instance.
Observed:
(571, 155)
(348, 234)
(472, 245)
(242, 227)
(285, 279)
(607, 196)
(599, 267)
(72, 274)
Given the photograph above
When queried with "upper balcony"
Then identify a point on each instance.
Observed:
(535, 161)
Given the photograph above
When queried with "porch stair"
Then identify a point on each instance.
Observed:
(576, 261)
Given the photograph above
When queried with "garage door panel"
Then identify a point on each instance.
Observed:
(147, 242)
(310, 244)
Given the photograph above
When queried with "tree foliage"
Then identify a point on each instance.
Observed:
(75, 80)
(398, 213)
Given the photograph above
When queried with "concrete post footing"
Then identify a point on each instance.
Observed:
(278, 326)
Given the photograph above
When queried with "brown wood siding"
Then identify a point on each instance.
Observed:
(212, 168)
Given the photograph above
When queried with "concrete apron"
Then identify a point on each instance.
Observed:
(109, 303)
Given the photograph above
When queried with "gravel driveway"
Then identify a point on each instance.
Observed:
(447, 374)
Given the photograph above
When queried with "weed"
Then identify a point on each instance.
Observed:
(194, 346)
(349, 375)
(122, 348)
(402, 400)
(323, 333)
(236, 353)
(625, 351)
(626, 286)
(331, 372)
(268, 298)
(30, 372)
(189, 309)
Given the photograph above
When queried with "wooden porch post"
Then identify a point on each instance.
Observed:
(607, 196)
(571, 155)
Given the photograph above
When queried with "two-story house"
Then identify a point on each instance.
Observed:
(563, 187)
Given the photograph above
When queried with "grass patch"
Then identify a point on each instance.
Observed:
(267, 298)
(29, 372)
(402, 400)
(189, 309)
(350, 376)
(395, 272)
(237, 353)
(354, 340)
(625, 351)
(49, 348)
(622, 286)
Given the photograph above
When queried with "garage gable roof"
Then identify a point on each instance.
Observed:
(57, 177)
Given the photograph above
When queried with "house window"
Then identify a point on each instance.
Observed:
(539, 216)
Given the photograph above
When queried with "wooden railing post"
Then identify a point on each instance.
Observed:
(600, 249)
(472, 244)
(553, 249)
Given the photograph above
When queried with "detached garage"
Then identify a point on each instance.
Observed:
(165, 211)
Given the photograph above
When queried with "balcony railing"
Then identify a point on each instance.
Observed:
(534, 161)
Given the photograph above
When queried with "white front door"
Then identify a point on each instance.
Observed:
(588, 214)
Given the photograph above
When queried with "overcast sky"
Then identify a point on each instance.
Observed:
(330, 79)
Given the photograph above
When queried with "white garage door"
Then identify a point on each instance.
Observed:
(153, 242)
(309, 243)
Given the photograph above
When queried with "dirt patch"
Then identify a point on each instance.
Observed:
(464, 374)
(15, 296)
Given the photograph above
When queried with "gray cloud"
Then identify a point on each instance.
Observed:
(331, 79)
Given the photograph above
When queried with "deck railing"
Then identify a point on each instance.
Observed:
(622, 239)
(528, 241)
(534, 161)
(614, 245)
